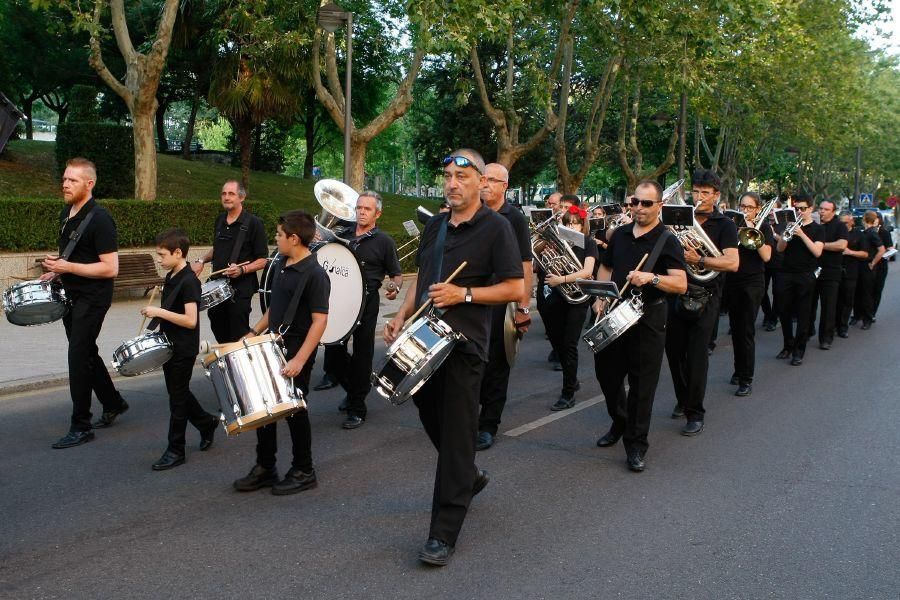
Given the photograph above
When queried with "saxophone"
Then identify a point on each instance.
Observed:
(556, 258)
(691, 237)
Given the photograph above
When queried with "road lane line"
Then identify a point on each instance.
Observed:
(552, 417)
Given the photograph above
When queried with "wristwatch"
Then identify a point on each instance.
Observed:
(655, 281)
(523, 309)
(468, 295)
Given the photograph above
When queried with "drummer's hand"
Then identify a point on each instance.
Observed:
(293, 367)
(196, 267)
(54, 264)
(392, 330)
(639, 278)
(553, 280)
(233, 271)
(48, 276)
(151, 311)
(446, 294)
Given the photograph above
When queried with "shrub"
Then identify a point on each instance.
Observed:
(109, 146)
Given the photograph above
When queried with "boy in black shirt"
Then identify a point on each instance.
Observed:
(296, 272)
(178, 320)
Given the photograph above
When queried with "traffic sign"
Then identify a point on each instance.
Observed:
(865, 199)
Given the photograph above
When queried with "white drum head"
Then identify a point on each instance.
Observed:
(348, 290)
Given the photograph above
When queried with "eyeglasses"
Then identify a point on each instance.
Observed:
(747, 206)
(493, 181)
(460, 161)
(645, 203)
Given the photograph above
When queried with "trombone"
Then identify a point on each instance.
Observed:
(751, 237)
(423, 215)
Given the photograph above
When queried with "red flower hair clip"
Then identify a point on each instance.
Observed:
(575, 210)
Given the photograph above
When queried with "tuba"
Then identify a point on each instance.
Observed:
(338, 202)
(751, 237)
(556, 258)
(691, 237)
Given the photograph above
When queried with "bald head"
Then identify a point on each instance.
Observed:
(496, 180)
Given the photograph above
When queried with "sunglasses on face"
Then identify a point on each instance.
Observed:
(645, 203)
(802, 207)
(459, 161)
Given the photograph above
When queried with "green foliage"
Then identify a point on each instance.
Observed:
(32, 224)
(109, 146)
(215, 135)
(83, 106)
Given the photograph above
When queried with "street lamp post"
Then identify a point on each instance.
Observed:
(330, 17)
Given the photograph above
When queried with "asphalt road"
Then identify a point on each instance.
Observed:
(790, 493)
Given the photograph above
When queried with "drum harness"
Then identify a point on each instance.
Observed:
(76, 235)
(651, 262)
(167, 305)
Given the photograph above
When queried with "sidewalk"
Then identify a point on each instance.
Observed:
(35, 357)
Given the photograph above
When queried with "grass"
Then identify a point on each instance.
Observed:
(28, 170)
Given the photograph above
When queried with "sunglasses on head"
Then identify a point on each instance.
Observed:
(645, 203)
(459, 161)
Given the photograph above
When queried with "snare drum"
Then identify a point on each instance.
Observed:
(614, 324)
(247, 379)
(215, 292)
(35, 302)
(414, 357)
(142, 354)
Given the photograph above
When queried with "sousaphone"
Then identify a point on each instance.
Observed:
(338, 201)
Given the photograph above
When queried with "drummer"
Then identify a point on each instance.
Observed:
(377, 255)
(239, 238)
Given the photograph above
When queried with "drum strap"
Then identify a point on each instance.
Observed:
(236, 249)
(292, 308)
(657, 250)
(76, 235)
(167, 305)
(438, 259)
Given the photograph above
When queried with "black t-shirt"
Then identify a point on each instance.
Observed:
(831, 260)
(486, 242)
(313, 299)
(752, 266)
(590, 250)
(797, 257)
(625, 252)
(856, 240)
(774, 264)
(873, 242)
(100, 237)
(886, 240)
(723, 233)
(185, 342)
(376, 252)
(519, 224)
(253, 247)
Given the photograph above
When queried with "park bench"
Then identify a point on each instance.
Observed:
(135, 271)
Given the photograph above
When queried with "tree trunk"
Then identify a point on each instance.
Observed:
(358, 150)
(161, 127)
(245, 140)
(309, 131)
(144, 153)
(189, 130)
(27, 105)
(257, 142)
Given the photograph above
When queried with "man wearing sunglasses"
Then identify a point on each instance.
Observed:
(448, 401)
(688, 334)
(637, 354)
(825, 291)
(796, 281)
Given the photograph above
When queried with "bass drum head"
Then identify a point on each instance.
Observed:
(348, 291)
(265, 281)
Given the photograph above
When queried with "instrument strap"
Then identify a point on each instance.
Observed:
(657, 250)
(438, 259)
(76, 235)
(292, 307)
(167, 305)
(236, 249)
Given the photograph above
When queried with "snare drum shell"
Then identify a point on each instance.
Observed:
(35, 302)
(142, 354)
(215, 292)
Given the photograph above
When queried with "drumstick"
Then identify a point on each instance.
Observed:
(428, 302)
(144, 320)
(627, 283)
(220, 271)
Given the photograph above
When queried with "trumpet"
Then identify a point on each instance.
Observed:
(790, 230)
(751, 237)
(691, 237)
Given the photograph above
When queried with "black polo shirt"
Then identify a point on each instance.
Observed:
(376, 252)
(831, 261)
(856, 240)
(100, 237)
(752, 267)
(519, 224)
(886, 239)
(723, 233)
(797, 257)
(254, 246)
(873, 242)
(486, 242)
(625, 252)
(185, 342)
(313, 299)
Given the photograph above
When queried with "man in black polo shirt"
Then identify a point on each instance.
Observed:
(637, 353)
(448, 402)
(377, 253)
(797, 280)
(87, 277)
(865, 284)
(829, 280)
(854, 258)
(240, 237)
(688, 335)
(496, 375)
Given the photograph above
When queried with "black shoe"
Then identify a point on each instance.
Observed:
(796, 360)
(552, 357)
(825, 346)
(353, 422)
(435, 552)
(734, 380)
(610, 439)
(169, 460)
(258, 477)
(295, 481)
(635, 461)
(109, 417)
(206, 439)
(866, 325)
(692, 428)
(771, 326)
(74, 438)
(678, 411)
(342, 407)
(577, 386)
(557, 366)
(563, 403)
(480, 482)
(785, 353)
(744, 389)
(326, 383)
(843, 333)
(484, 440)
(853, 321)
(709, 350)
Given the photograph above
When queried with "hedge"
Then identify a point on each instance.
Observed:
(109, 146)
(33, 224)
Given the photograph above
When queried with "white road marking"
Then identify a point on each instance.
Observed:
(553, 417)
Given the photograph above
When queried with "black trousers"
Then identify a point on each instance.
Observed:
(637, 355)
(864, 304)
(230, 321)
(770, 314)
(846, 295)
(298, 423)
(183, 405)
(495, 383)
(825, 293)
(881, 272)
(354, 371)
(687, 342)
(448, 410)
(564, 323)
(744, 299)
(795, 300)
(87, 371)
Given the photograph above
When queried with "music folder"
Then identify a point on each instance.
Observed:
(678, 215)
(601, 289)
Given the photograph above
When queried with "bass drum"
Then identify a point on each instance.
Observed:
(348, 288)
